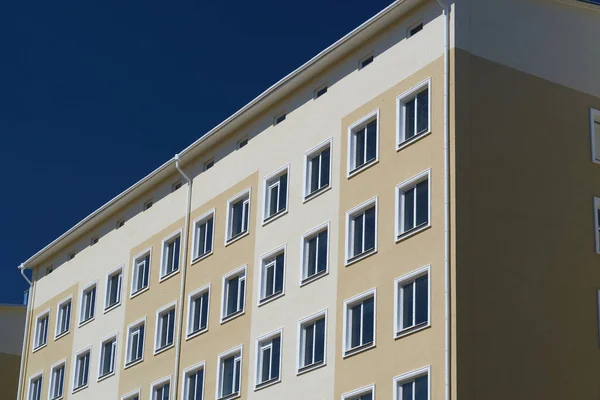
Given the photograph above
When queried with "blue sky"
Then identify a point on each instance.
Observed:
(95, 94)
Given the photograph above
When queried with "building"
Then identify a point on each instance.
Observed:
(412, 214)
(12, 326)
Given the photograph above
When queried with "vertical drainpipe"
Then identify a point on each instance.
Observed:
(24, 353)
(186, 230)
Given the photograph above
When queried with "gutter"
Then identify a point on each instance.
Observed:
(24, 352)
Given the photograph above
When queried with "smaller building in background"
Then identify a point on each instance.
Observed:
(12, 325)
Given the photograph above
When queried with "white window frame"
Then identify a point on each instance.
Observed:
(399, 214)
(348, 242)
(596, 225)
(402, 280)
(84, 291)
(243, 270)
(359, 392)
(356, 126)
(318, 149)
(163, 263)
(258, 358)
(198, 222)
(32, 378)
(36, 346)
(81, 352)
(303, 259)
(57, 334)
(114, 336)
(229, 239)
(62, 363)
(134, 271)
(131, 395)
(134, 325)
(409, 376)
(157, 331)
(594, 117)
(271, 180)
(262, 299)
(191, 297)
(193, 369)
(238, 349)
(401, 100)
(311, 319)
(348, 352)
(160, 383)
(110, 274)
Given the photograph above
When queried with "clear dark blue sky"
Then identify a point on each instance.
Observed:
(95, 94)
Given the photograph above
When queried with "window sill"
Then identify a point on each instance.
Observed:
(274, 217)
(140, 291)
(197, 333)
(266, 384)
(41, 346)
(236, 238)
(411, 330)
(106, 376)
(270, 298)
(414, 139)
(132, 363)
(112, 307)
(201, 257)
(363, 167)
(314, 277)
(412, 232)
(359, 349)
(163, 349)
(62, 334)
(168, 276)
(232, 316)
(311, 367)
(87, 321)
(230, 396)
(361, 256)
(79, 389)
(316, 193)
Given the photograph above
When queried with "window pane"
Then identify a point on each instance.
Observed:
(367, 396)
(407, 305)
(204, 311)
(270, 280)
(237, 375)
(236, 224)
(422, 202)
(232, 290)
(359, 139)
(409, 119)
(246, 213)
(266, 363)
(422, 300)
(358, 235)
(371, 140)
(227, 387)
(319, 340)
(356, 326)
(370, 229)
(407, 391)
(312, 257)
(325, 165)
(275, 357)
(409, 205)
(369, 320)
(273, 195)
(209, 235)
(282, 192)
(421, 390)
(422, 111)
(315, 163)
(309, 337)
(322, 255)
(241, 297)
(279, 273)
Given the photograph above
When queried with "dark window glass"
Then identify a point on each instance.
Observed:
(421, 300)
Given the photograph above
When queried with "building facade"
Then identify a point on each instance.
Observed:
(12, 325)
(412, 214)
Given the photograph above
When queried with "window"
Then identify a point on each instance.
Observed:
(203, 235)
(313, 339)
(229, 374)
(280, 118)
(413, 30)
(361, 224)
(41, 330)
(318, 169)
(595, 128)
(135, 342)
(108, 353)
(132, 396)
(234, 287)
(198, 311)
(176, 185)
(209, 164)
(94, 240)
(242, 142)
(35, 388)
(161, 390)
(148, 205)
(412, 386)
(88, 304)
(272, 274)
(412, 301)
(238, 213)
(412, 204)
(276, 193)
(413, 113)
(362, 143)
(320, 91)
(268, 359)
(141, 272)
(365, 61)
(63, 318)
(49, 270)
(365, 393)
(359, 323)
(71, 255)
(315, 253)
(82, 370)
(120, 223)
(165, 327)
(57, 381)
(597, 223)
(113, 289)
(193, 387)
(170, 255)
